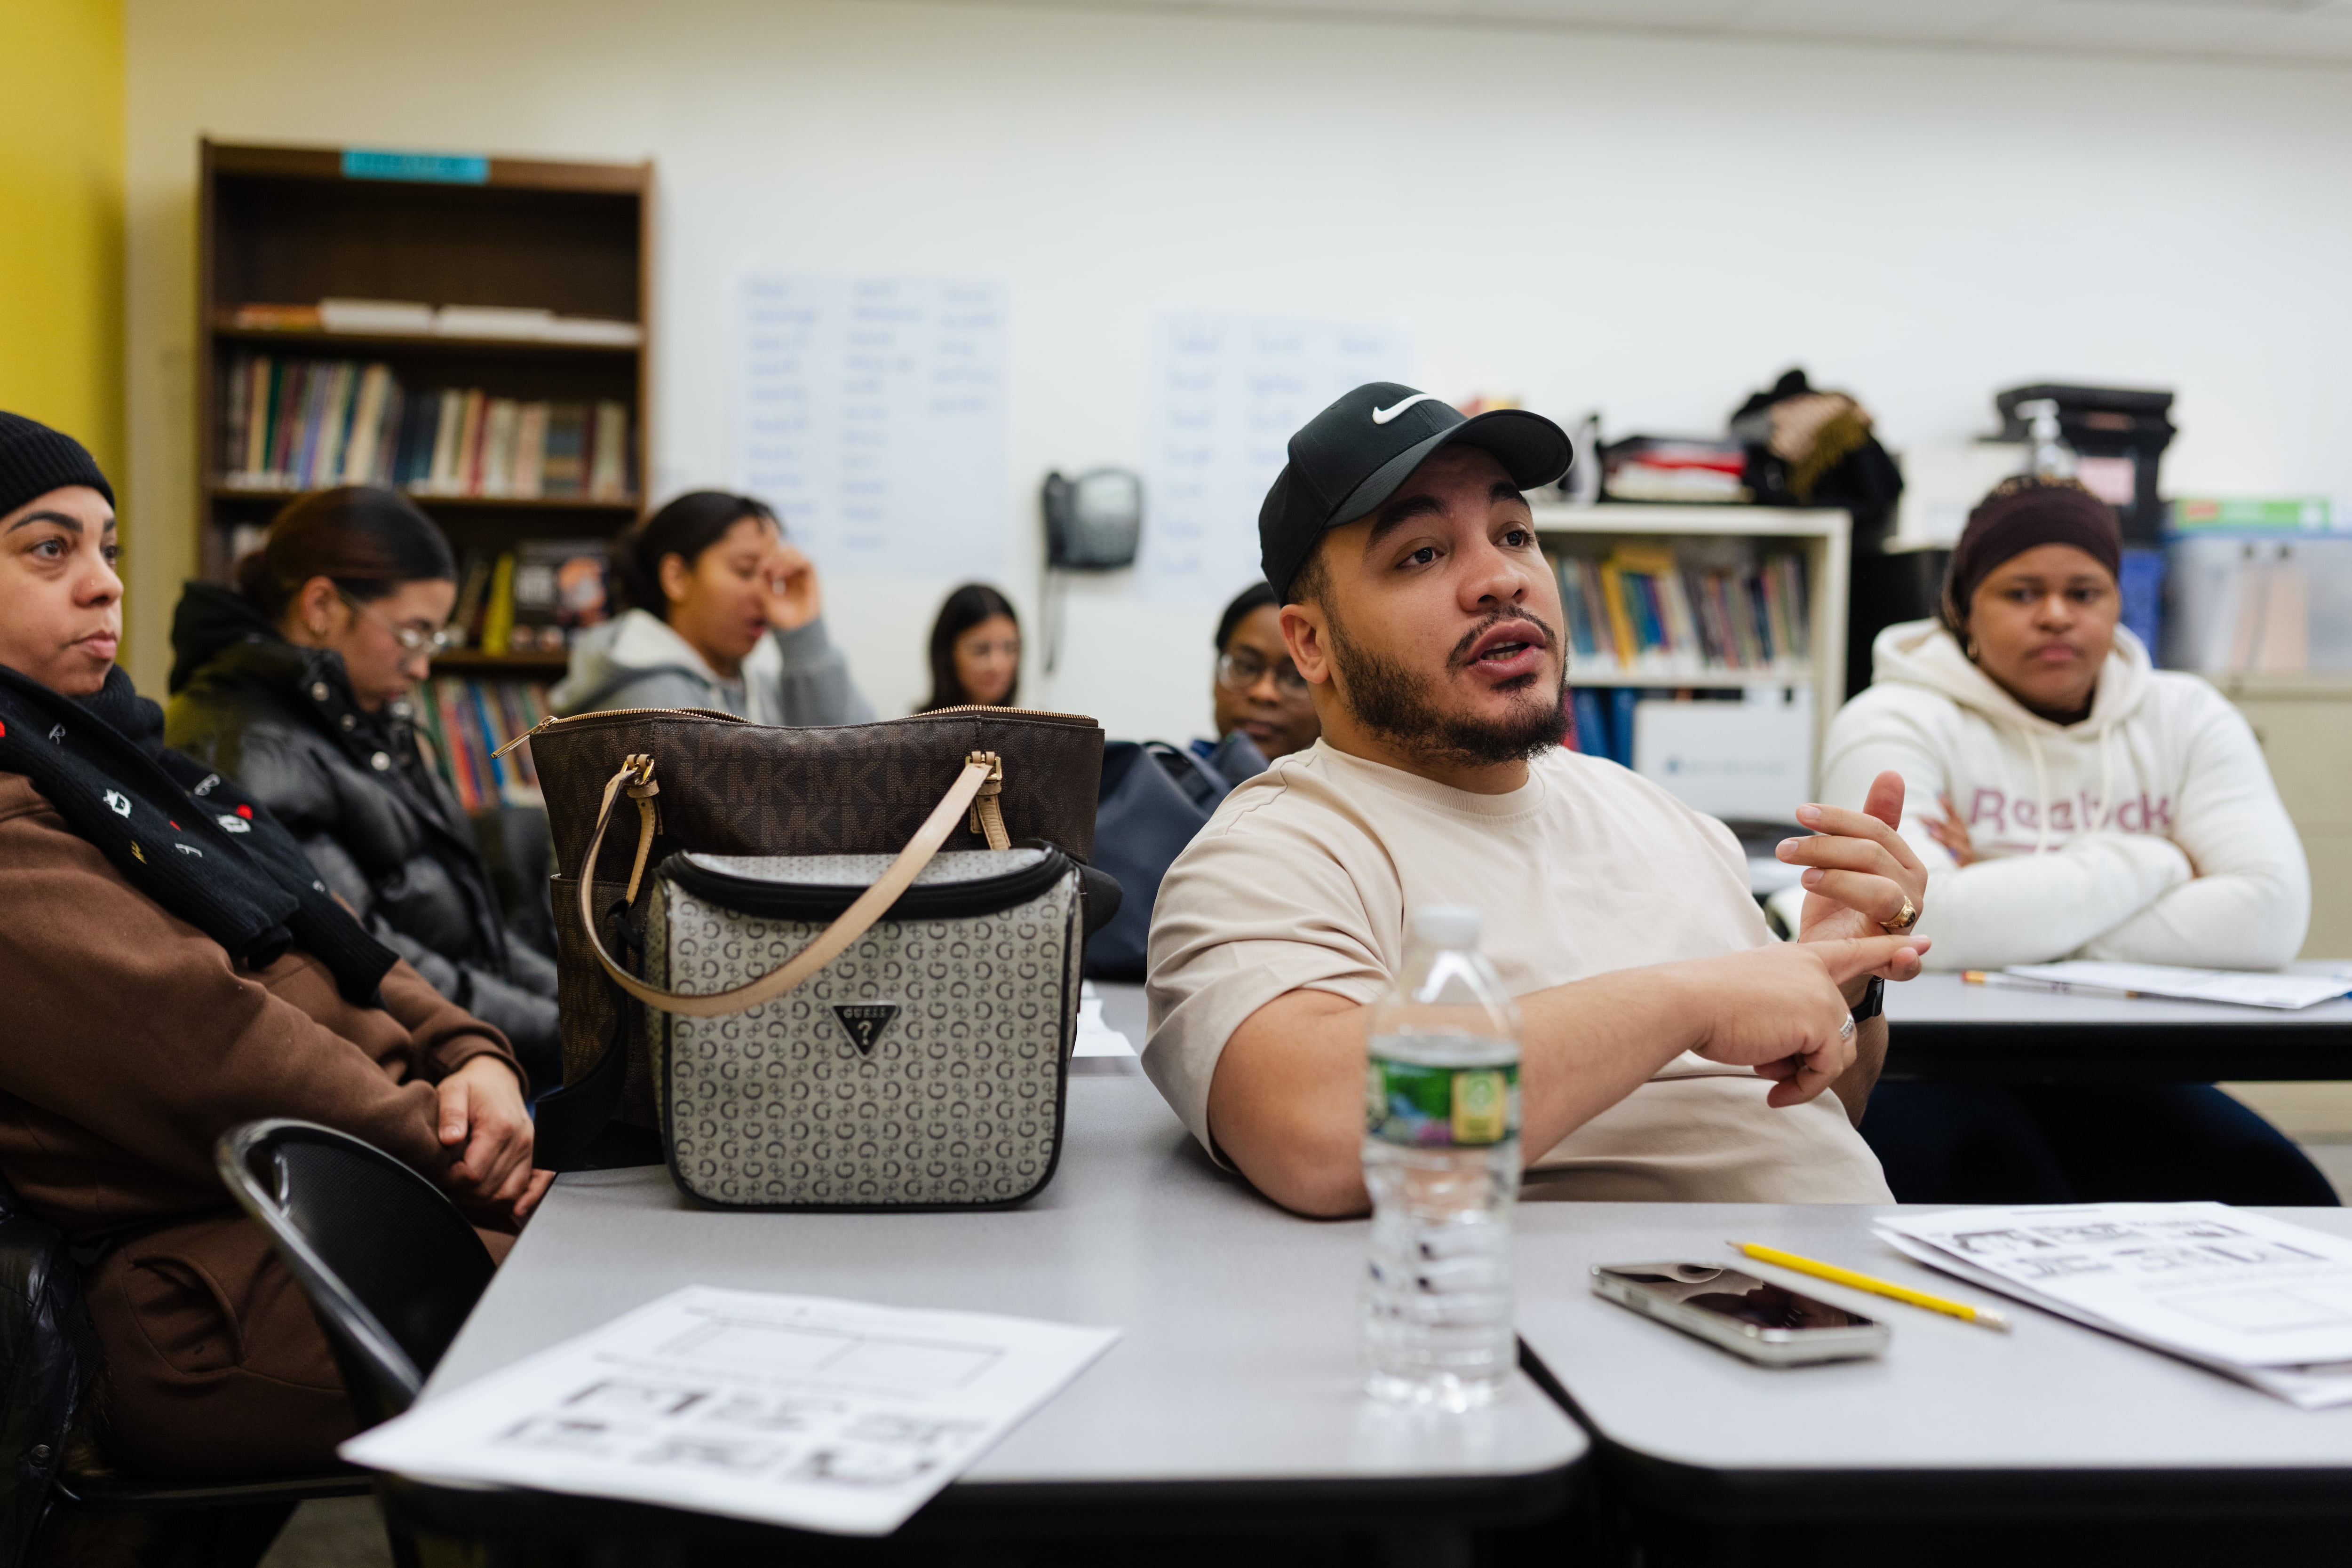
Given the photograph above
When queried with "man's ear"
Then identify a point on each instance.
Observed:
(1305, 632)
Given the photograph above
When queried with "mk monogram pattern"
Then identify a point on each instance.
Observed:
(957, 1099)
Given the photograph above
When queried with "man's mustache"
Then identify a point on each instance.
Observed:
(1544, 636)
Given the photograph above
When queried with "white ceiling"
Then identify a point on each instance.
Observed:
(2306, 31)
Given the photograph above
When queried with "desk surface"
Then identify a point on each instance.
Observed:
(1236, 1377)
(1940, 1026)
(2053, 1416)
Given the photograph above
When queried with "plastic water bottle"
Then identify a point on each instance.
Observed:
(1442, 1162)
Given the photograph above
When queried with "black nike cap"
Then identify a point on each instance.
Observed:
(1354, 454)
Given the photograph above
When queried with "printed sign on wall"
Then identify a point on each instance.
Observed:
(1226, 393)
(870, 412)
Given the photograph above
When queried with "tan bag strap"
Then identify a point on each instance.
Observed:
(975, 790)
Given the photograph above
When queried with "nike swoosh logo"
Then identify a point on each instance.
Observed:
(1382, 416)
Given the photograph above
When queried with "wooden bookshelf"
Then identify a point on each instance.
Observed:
(1820, 536)
(292, 225)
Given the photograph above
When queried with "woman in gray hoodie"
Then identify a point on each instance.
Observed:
(723, 614)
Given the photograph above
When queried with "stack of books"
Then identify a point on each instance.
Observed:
(466, 721)
(1638, 611)
(301, 424)
(411, 318)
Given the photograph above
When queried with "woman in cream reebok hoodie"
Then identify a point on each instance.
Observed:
(2070, 800)
(2150, 832)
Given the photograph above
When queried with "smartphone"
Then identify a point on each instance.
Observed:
(1768, 1324)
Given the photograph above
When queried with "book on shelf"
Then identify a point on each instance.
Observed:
(465, 720)
(1640, 611)
(304, 424)
(530, 601)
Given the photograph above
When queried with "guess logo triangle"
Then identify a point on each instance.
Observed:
(864, 1022)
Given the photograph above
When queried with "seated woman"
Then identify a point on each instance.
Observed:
(2071, 802)
(175, 969)
(975, 651)
(295, 685)
(723, 614)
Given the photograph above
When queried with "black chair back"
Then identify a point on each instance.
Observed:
(390, 1266)
(48, 1357)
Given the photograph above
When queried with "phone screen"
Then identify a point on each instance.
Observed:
(1741, 1297)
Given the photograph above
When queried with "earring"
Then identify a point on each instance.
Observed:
(1971, 650)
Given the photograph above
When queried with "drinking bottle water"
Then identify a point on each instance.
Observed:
(1442, 1162)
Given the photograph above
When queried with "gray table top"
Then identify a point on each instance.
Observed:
(1237, 1368)
(1947, 998)
(1949, 1403)
(1941, 1027)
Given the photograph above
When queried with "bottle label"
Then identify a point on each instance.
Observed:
(1421, 1106)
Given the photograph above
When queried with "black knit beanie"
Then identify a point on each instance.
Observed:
(35, 460)
(2018, 516)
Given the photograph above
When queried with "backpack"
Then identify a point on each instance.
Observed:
(1144, 817)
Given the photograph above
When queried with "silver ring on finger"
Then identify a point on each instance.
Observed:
(1845, 1030)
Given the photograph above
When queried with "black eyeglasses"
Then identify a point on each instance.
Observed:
(1239, 672)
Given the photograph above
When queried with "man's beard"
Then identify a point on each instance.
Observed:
(1396, 703)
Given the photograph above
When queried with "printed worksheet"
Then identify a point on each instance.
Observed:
(2220, 1285)
(805, 1411)
(2285, 992)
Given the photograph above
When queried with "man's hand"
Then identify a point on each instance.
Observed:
(791, 598)
(1782, 1010)
(486, 1127)
(1860, 874)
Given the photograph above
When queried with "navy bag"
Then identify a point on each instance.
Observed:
(1154, 798)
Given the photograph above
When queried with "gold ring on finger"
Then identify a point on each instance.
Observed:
(1904, 921)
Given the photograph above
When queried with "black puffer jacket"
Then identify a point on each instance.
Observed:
(378, 822)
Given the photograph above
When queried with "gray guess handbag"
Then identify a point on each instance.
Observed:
(858, 1031)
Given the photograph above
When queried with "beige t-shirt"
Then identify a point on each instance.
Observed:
(1304, 879)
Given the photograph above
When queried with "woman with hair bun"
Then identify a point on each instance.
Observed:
(295, 685)
(723, 613)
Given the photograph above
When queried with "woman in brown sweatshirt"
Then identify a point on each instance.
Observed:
(143, 1020)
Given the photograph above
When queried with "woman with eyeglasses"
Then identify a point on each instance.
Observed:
(1259, 693)
(295, 682)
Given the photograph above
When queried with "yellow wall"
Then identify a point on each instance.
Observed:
(61, 164)
(61, 168)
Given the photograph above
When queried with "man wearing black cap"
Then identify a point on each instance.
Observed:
(1673, 1049)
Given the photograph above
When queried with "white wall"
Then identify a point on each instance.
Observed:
(1652, 227)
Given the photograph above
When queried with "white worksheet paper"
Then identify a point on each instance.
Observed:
(805, 1411)
(2251, 1296)
(2288, 992)
(1097, 1038)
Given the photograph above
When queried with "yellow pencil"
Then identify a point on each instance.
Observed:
(1985, 1316)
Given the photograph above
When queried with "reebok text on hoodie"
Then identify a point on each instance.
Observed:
(2149, 832)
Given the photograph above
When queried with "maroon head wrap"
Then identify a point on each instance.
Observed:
(2019, 515)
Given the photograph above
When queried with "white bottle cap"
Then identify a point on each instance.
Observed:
(1447, 924)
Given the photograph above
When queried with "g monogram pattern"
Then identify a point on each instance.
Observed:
(959, 1102)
